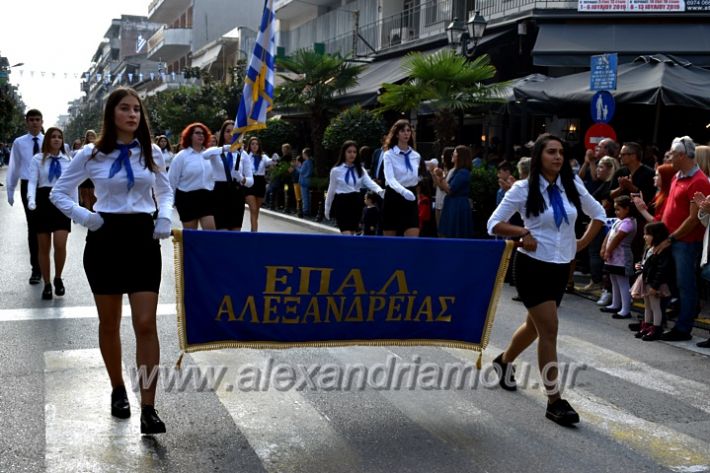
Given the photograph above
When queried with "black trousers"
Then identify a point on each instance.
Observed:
(31, 228)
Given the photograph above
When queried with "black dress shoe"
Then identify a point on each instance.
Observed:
(705, 344)
(35, 278)
(506, 374)
(59, 287)
(610, 310)
(635, 326)
(47, 292)
(674, 335)
(517, 299)
(119, 403)
(561, 412)
(621, 316)
(150, 422)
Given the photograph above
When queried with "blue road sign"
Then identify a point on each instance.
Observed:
(603, 72)
(603, 107)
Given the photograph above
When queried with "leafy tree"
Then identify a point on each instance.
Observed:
(449, 83)
(313, 82)
(276, 133)
(88, 118)
(355, 123)
(12, 123)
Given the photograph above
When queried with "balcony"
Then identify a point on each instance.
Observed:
(293, 10)
(169, 44)
(165, 11)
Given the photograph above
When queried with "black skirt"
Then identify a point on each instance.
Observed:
(194, 204)
(398, 213)
(228, 198)
(348, 210)
(122, 257)
(539, 281)
(258, 189)
(47, 217)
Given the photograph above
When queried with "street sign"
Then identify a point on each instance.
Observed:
(603, 107)
(603, 72)
(596, 133)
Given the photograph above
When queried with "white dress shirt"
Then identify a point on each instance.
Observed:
(191, 170)
(338, 185)
(243, 174)
(112, 194)
(265, 163)
(20, 159)
(168, 157)
(397, 175)
(39, 175)
(553, 245)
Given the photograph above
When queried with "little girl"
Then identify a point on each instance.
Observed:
(616, 253)
(653, 283)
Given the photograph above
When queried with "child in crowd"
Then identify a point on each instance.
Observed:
(616, 253)
(370, 215)
(657, 271)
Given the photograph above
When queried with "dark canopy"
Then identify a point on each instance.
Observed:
(648, 80)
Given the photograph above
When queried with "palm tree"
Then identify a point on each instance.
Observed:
(449, 83)
(315, 80)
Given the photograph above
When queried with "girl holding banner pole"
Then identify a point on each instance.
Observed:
(122, 253)
(550, 200)
(346, 179)
(255, 194)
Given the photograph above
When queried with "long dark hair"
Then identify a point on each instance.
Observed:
(107, 141)
(536, 203)
(261, 150)
(657, 230)
(358, 160)
(220, 138)
(391, 140)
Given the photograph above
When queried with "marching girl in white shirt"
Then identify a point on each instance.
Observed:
(255, 194)
(400, 212)
(549, 200)
(45, 169)
(232, 175)
(164, 145)
(346, 179)
(122, 254)
(87, 198)
(191, 178)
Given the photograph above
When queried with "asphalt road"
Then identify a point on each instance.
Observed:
(645, 406)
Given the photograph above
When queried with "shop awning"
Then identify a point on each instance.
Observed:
(207, 55)
(570, 45)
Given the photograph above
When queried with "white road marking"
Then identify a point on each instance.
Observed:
(74, 312)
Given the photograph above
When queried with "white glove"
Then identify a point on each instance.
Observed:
(163, 227)
(381, 193)
(10, 198)
(409, 195)
(31, 205)
(93, 222)
(327, 216)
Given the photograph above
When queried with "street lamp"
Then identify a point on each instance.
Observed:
(458, 34)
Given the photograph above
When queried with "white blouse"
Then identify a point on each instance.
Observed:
(265, 163)
(191, 170)
(338, 185)
(397, 175)
(39, 174)
(553, 245)
(112, 194)
(243, 172)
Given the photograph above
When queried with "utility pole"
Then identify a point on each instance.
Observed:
(356, 30)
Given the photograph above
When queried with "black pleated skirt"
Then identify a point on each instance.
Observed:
(348, 211)
(228, 201)
(122, 257)
(539, 281)
(47, 217)
(194, 204)
(398, 213)
(258, 189)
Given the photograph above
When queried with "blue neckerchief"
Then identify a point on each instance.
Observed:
(55, 168)
(558, 207)
(124, 159)
(228, 163)
(350, 173)
(406, 159)
(257, 162)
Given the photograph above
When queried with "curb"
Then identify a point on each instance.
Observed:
(300, 221)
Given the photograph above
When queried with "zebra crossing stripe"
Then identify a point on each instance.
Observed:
(73, 312)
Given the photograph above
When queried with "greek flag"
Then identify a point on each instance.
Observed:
(258, 93)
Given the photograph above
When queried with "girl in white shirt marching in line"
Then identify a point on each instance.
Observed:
(400, 213)
(255, 194)
(122, 253)
(549, 200)
(232, 175)
(45, 169)
(87, 196)
(346, 179)
(165, 148)
(191, 178)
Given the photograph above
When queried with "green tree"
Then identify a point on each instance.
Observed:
(313, 82)
(355, 123)
(88, 118)
(12, 109)
(449, 83)
(276, 133)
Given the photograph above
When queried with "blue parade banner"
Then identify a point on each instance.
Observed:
(249, 290)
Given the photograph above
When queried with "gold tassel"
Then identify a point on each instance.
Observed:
(479, 361)
(178, 365)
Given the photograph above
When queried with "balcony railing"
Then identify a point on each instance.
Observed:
(167, 44)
